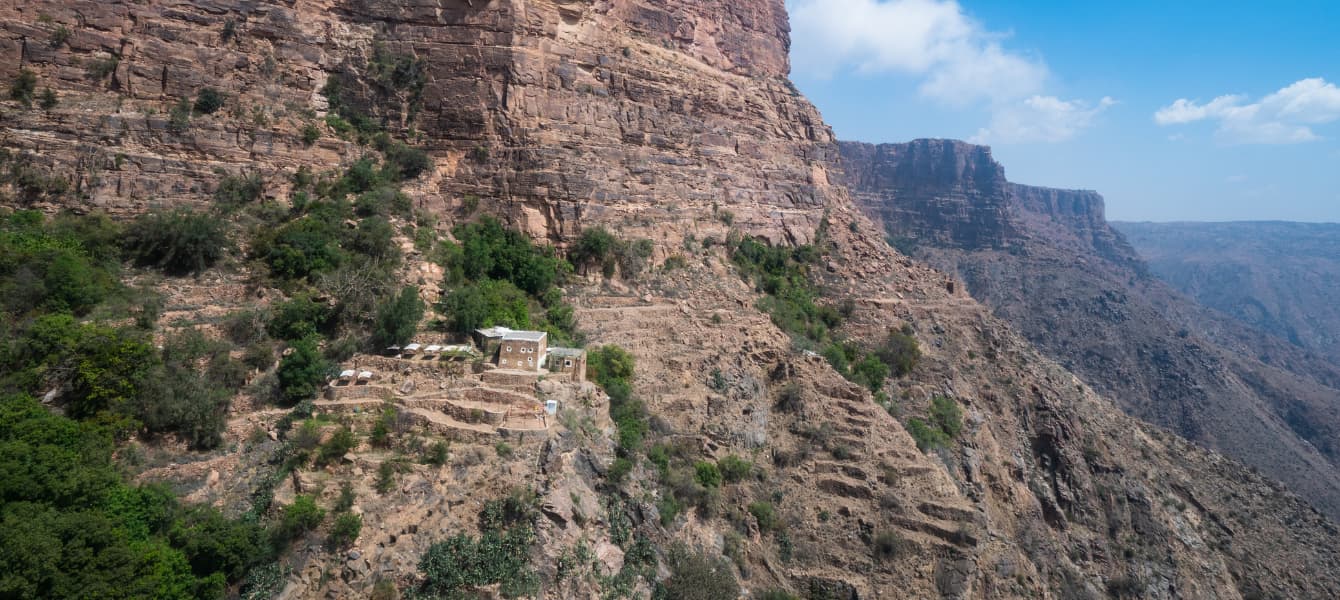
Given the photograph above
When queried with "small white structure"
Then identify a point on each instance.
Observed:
(551, 407)
(346, 375)
(410, 350)
(432, 350)
(393, 350)
(365, 376)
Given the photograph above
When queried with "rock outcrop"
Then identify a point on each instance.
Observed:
(949, 192)
(1073, 285)
(674, 122)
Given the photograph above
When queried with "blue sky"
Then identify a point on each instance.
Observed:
(1187, 110)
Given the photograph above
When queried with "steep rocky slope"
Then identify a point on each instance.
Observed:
(1073, 285)
(1277, 277)
(673, 122)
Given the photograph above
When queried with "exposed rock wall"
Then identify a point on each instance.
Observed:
(950, 192)
(665, 119)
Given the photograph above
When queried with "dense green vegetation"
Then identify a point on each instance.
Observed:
(497, 276)
(500, 555)
(179, 242)
(944, 424)
(782, 274)
(612, 368)
(597, 247)
(208, 101)
(69, 527)
(697, 576)
(398, 318)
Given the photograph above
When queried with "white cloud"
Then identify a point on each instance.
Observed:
(959, 60)
(1284, 117)
(1040, 119)
(955, 59)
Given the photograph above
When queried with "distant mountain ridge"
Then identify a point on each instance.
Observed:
(1047, 261)
(1280, 277)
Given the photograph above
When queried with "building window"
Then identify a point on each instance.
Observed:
(567, 363)
(509, 348)
(504, 361)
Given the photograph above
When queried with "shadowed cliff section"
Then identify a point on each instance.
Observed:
(1048, 262)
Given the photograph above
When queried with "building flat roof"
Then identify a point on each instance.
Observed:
(524, 336)
(573, 352)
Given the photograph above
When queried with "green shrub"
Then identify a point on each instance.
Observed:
(619, 470)
(775, 594)
(436, 454)
(179, 117)
(300, 517)
(887, 545)
(24, 87)
(486, 304)
(926, 436)
(237, 190)
(302, 372)
(99, 68)
(208, 101)
(301, 249)
(405, 162)
(179, 242)
(734, 469)
(386, 473)
(339, 444)
(783, 275)
(48, 99)
(60, 35)
(766, 516)
(707, 474)
(900, 352)
(344, 532)
(501, 554)
(870, 372)
(188, 393)
(398, 318)
(346, 499)
(310, 134)
(72, 528)
(298, 318)
(946, 415)
(697, 576)
(489, 251)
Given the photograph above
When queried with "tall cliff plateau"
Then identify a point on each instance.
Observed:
(673, 122)
(1074, 286)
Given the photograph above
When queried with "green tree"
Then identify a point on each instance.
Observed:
(486, 304)
(302, 372)
(208, 101)
(180, 242)
(23, 87)
(398, 318)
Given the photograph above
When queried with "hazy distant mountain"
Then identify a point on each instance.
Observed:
(1283, 278)
(1047, 261)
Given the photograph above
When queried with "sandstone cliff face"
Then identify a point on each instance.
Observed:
(662, 120)
(949, 191)
(1077, 289)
